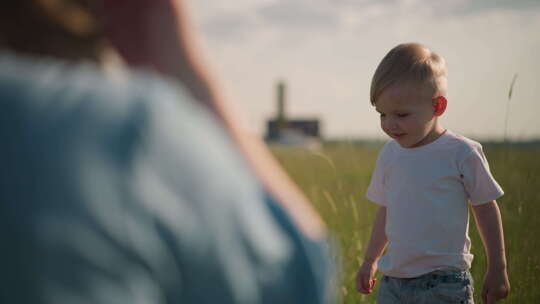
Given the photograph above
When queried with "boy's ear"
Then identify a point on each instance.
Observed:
(439, 103)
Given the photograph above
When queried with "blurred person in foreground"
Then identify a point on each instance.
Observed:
(141, 186)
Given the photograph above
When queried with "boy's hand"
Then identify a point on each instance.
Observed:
(489, 223)
(365, 279)
(496, 286)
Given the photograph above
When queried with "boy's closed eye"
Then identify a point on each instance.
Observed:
(402, 115)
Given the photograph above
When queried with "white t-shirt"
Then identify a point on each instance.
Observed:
(426, 191)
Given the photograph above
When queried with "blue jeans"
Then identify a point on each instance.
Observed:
(440, 286)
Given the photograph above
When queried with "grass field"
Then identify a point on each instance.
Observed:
(336, 178)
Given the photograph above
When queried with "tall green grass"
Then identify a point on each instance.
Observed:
(336, 178)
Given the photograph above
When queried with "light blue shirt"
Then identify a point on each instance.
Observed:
(130, 192)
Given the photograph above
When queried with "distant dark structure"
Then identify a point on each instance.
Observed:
(291, 131)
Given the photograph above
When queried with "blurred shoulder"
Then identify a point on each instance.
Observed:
(79, 109)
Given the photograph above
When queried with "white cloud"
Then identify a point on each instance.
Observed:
(328, 50)
(299, 13)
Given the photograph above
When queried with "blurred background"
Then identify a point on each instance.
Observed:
(326, 51)
(307, 64)
(302, 69)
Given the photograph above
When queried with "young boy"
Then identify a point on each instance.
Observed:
(424, 180)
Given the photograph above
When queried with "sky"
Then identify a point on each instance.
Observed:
(327, 51)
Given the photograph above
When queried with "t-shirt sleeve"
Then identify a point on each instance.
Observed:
(479, 183)
(375, 192)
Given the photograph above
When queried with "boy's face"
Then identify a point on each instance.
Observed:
(408, 114)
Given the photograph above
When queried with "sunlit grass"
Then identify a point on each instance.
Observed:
(336, 178)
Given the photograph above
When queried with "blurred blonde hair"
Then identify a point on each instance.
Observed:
(413, 63)
(61, 28)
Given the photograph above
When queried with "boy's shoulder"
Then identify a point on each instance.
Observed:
(461, 143)
(451, 141)
(451, 144)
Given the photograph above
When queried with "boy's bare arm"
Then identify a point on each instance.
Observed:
(378, 241)
(489, 223)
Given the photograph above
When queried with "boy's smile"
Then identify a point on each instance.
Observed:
(408, 114)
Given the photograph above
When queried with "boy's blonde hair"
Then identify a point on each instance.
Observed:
(410, 62)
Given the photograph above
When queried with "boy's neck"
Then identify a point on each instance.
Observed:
(437, 131)
(432, 136)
